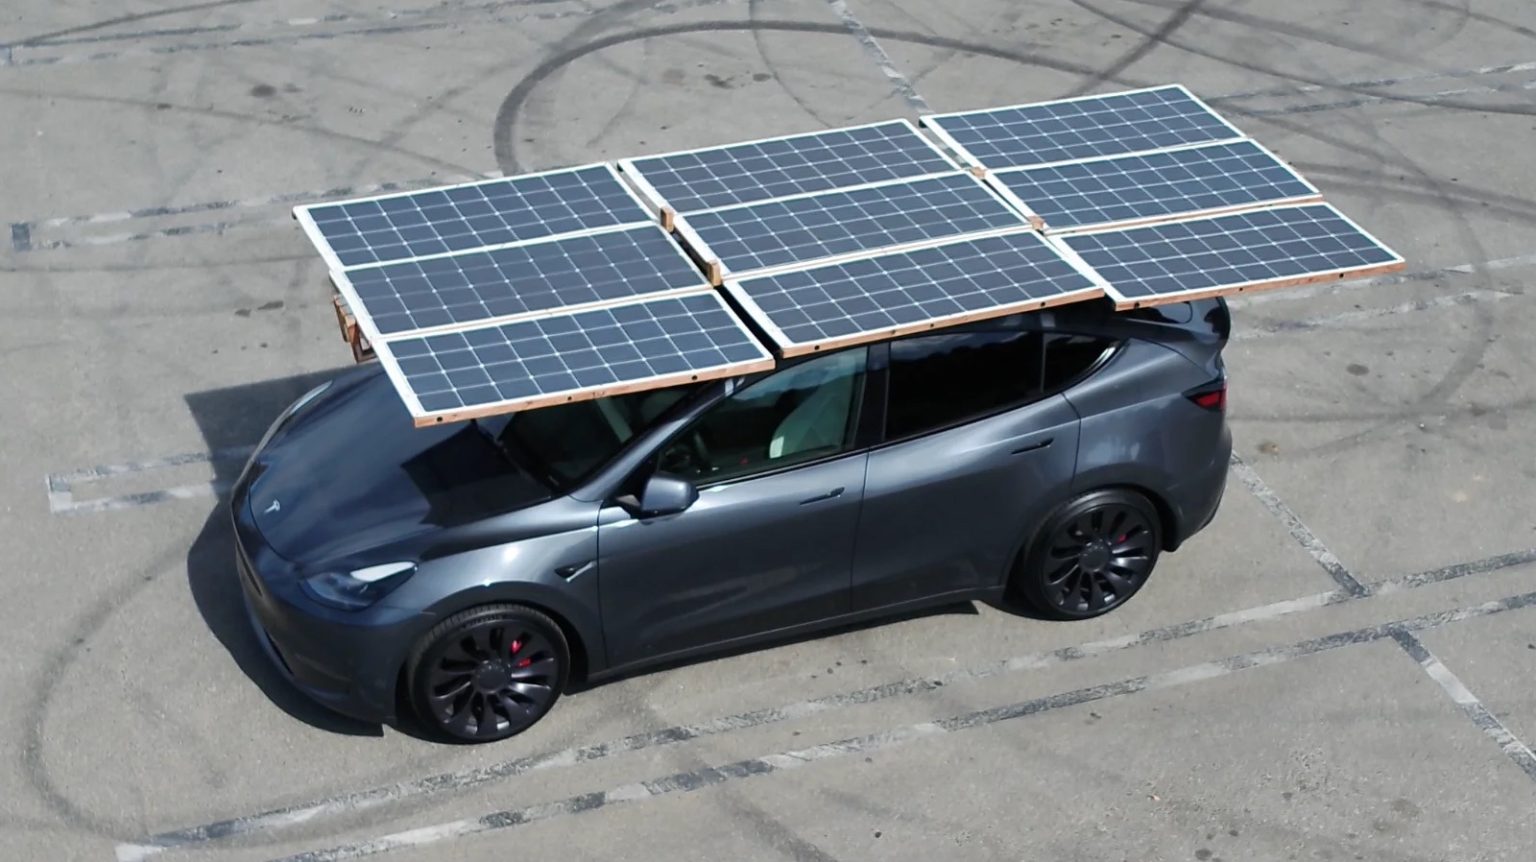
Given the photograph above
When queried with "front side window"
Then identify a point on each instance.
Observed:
(568, 441)
(942, 380)
(801, 413)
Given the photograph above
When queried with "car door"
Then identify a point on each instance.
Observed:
(975, 453)
(768, 544)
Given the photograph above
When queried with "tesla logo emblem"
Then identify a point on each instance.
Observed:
(276, 506)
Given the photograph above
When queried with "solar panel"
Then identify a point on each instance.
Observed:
(557, 272)
(1147, 187)
(827, 224)
(571, 356)
(892, 294)
(1082, 127)
(701, 179)
(473, 215)
(1273, 247)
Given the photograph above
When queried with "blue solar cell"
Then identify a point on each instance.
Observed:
(537, 276)
(833, 223)
(540, 360)
(1113, 124)
(456, 218)
(1125, 188)
(1278, 244)
(869, 298)
(755, 171)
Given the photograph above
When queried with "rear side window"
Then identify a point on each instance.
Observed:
(941, 380)
(1067, 357)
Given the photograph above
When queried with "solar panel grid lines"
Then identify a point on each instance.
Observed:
(1118, 123)
(820, 227)
(944, 283)
(1259, 249)
(565, 356)
(569, 271)
(742, 172)
(426, 222)
(1132, 189)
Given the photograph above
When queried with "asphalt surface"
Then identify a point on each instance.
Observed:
(1337, 669)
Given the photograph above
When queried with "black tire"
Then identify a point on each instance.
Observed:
(488, 673)
(1091, 556)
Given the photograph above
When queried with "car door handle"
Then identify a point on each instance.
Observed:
(835, 492)
(1032, 447)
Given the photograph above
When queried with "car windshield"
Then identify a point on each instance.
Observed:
(566, 443)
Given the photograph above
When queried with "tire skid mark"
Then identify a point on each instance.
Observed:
(456, 782)
(783, 761)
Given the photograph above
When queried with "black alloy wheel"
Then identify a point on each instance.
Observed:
(488, 673)
(1092, 555)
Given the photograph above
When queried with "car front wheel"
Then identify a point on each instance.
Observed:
(488, 673)
(1091, 556)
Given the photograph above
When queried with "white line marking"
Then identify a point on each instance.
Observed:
(902, 85)
(688, 782)
(1298, 530)
(1470, 705)
(358, 801)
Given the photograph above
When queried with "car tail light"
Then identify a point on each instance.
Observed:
(1212, 396)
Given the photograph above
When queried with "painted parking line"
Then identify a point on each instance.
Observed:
(699, 779)
(277, 819)
(62, 486)
(1512, 747)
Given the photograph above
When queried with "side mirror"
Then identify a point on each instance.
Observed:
(666, 494)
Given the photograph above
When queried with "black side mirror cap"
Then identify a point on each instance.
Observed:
(666, 494)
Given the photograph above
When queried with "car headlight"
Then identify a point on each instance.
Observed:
(359, 588)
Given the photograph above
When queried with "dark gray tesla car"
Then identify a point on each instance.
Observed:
(473, 570)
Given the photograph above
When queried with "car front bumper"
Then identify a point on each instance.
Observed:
(350, 667)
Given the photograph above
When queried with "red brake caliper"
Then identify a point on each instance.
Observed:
(517, 645)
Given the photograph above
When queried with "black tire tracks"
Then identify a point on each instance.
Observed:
(1148, 43)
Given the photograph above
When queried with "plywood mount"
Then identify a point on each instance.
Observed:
(351, 333)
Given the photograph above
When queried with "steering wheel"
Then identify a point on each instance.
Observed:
(687, 455)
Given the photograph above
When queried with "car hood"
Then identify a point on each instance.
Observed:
(351, 472)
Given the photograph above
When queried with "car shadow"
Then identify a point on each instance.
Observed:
(232, 420)
(963, 608)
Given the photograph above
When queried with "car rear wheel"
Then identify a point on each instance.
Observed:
(488, 673)
(1091, 556)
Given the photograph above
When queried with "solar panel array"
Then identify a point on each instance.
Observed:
(1085, 127)
(1222, 176)
(760, 170)
(546, 288)
(805, 310)
(811, 227)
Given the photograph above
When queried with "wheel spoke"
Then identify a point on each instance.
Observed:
(445, 692)
(459, 714)
(542, 667)
(1120, 584)
(536, 695)
(1095, 595)
(1060, 575)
